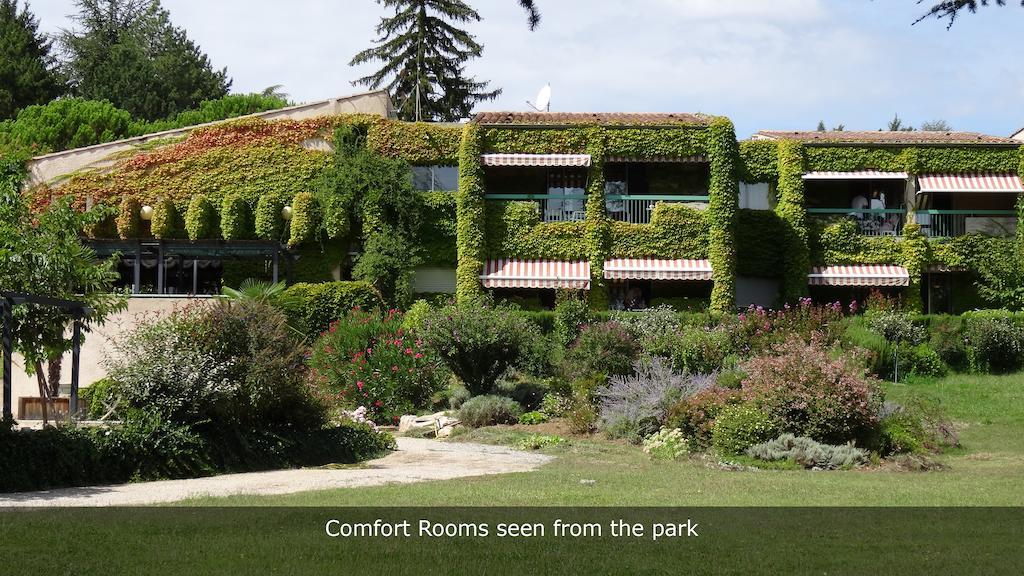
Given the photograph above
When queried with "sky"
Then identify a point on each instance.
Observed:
(766, 64)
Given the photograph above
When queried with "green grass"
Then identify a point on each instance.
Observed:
(986, 471)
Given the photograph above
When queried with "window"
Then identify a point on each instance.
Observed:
(755, 196)
(435, 178)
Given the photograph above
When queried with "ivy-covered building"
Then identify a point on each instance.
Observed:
(630, 209)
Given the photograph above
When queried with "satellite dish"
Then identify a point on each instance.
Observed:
(543, 101)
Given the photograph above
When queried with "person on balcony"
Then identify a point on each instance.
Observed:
(858, 204)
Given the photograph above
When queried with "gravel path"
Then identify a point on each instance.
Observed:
(417, 460)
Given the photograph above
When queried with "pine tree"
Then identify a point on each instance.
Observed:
(424, 56)
(950, 9)
(28, 71)
(532, 13)
(129, 52)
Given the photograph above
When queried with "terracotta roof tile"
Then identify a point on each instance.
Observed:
(613, 118)
(882, 137)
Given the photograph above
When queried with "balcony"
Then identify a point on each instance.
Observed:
(870, 221)
(639, 209)
(952, 223)
(552, 207)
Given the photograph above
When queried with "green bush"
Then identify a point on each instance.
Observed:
(129, 222)
(200, 218)
(538, 441)
(416, 316)
(98, 396)
(897, 327)
(481, 411)
(917, 426)
(947, 339)
(220, 368)
(605, 349)
(650, 324)
(531, 418)
(480, 343)
(921, 360)
(696, 415)
(234, 218)
(269, 223)
(312, 307)
(995, 342)
(306, 216)
(165, 220)
(145, 448)
(808, 453)
(738, 427)
(571, 315)
(695, 349)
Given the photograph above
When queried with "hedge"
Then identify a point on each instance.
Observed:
(129, 222)
(269, 222)
(234, 218)
(200, 218)
(305, 218)
(165, 220)
(62, 456)
(312, 307)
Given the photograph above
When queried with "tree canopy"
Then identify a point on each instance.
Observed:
(423, 58)
(28, 69)
(129, 53)
(950, 9)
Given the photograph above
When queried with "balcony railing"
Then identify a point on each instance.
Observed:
(950, 223)
(573, 207)
(870, 222)
(638, 209)
(552, 207)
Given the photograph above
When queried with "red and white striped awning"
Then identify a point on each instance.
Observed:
(856, 175)
(982, 182)
(870, 275)
(565, 160)
(511, 273)
(657, 269)
(696, 158)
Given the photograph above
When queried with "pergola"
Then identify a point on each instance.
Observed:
(78, 311)
(194, 250)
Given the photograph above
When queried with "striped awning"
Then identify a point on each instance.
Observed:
(982, 182)
(511, 273)
(870, 275)
(856, 175)
(569, 160)
(696, 158)
(657, 269)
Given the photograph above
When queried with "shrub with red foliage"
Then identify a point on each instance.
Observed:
(800, 384)
(695, 416)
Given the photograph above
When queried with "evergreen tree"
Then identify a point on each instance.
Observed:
(896, 125)
(532, 13)
(28, 71)
(424, 56)
(950, 9)
(129, 52)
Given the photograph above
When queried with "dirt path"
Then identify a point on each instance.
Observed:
(416, 460)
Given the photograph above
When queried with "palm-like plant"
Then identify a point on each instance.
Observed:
(255, 291)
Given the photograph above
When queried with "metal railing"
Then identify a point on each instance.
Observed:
(951, 223)
(552, 207)
(870, 221)
(639, 209)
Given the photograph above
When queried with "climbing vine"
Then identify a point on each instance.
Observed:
(790, 208)
(723, 202)
(471, 217)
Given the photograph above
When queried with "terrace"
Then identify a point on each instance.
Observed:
(872, 199)
(950, 205)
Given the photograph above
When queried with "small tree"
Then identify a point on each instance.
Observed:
(41, 254)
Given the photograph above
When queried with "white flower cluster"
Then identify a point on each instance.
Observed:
(667, 444)
(359, 416)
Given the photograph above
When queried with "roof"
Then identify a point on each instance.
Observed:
(607, 118)
(883, 137)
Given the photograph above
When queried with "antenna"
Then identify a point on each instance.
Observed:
(543, 100)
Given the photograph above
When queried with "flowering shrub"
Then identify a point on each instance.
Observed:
(810, 393)
(391, 374)
(667, 444)
(602, 349)
(634, 406)
(757, 329)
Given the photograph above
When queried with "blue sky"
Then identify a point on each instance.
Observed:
(778, 64)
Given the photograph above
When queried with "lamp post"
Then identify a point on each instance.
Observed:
(286, 213)
(146, 213)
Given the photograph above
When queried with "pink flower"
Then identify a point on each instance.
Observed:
(360, 385)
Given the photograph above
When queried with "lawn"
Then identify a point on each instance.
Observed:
(986, 471)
